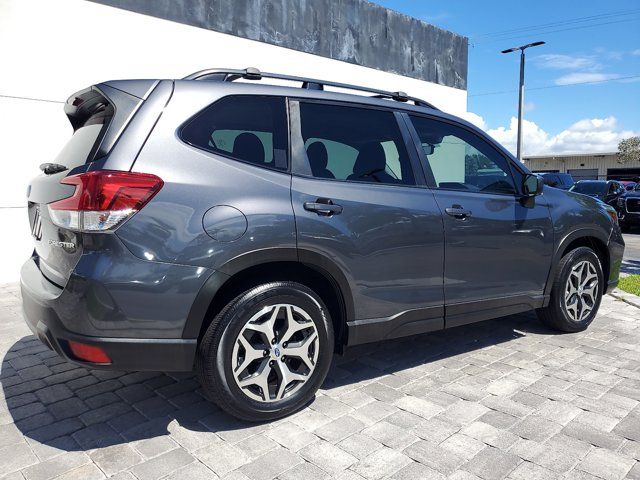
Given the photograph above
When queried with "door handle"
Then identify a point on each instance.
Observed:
(456, 211)
(323, 207)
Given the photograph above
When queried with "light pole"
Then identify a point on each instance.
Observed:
(521, 94)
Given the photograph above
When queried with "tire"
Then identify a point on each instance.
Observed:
(557, 314)
(220, 352)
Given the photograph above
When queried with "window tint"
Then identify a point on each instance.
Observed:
(460, 160)
(355, 144)
(252, 129)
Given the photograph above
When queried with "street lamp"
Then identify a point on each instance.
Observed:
(521, 95)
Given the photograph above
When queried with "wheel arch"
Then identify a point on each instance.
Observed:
(591, 238)
(311, 269)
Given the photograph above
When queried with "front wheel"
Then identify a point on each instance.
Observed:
(577, 290)
(267, 352)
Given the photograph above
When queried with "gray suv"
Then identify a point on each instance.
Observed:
(250, 231)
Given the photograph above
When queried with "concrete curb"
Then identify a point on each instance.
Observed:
(626, 297)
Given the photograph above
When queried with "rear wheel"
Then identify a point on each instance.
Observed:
(267, 352)
(576, 294)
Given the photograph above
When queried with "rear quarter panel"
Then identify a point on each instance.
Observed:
(170, 228)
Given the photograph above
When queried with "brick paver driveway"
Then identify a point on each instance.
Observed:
(504, 398)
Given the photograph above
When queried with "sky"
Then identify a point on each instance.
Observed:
(586, 41)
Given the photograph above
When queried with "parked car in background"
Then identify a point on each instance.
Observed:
(606, 190)
(629, 184)
(628, 206)
(563, 181)
(250, 230)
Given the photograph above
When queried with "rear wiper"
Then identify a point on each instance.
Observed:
(51, 168)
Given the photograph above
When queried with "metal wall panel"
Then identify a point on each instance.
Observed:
(354, 31)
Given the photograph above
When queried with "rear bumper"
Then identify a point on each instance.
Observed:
(41, 303)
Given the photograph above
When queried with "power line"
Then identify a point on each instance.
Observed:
(545, 87)
(569, 21)
(548, 32)
(31, 98)
(556, 31)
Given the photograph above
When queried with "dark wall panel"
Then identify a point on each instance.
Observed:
(354, 31)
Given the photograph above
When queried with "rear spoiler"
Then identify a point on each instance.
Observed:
(85, 103)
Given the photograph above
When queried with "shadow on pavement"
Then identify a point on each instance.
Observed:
(69, 407)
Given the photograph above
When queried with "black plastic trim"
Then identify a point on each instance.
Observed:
(411, 322)
(214, 283)
(470, 312)
(564, 243)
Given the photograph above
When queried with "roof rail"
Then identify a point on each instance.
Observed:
(229, 75)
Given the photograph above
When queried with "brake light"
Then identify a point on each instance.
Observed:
(103, 199)
(88, 353)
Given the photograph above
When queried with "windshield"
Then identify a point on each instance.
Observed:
(590, 188)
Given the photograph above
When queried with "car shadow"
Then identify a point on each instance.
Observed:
(72, 408)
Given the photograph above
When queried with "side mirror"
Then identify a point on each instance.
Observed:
(532, 185)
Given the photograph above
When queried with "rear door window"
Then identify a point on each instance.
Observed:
(250, 129)
(354, 144)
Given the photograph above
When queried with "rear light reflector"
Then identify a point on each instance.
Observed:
(103, 199)
(89, 353)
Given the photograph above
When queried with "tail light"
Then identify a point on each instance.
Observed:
(103, 199)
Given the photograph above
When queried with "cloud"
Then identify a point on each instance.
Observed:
(566, 62)
(582, 77)
(636, 52)
(476, 119)
(589, 135)
(529, 107)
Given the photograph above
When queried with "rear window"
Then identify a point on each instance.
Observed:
(84, 142)
(251, 129)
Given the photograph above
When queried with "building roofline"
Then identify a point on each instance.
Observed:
(564, 155)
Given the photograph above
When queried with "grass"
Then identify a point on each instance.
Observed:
(630, 284)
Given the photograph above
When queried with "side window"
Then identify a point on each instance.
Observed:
(251, 129)
(354, 144)
(461, 160)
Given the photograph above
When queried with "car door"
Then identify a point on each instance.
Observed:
(360, 203)
(498, 246)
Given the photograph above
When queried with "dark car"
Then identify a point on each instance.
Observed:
(629, 208)
(563, 181)
(628, 184)
(250, 231)
(607, 191)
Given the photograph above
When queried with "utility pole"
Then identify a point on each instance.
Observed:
(521, 90)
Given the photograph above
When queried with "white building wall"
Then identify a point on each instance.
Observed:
(51, 49)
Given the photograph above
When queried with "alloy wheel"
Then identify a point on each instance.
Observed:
(275, 353)
(581, 291)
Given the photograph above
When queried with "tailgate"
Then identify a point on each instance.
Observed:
(97, 120)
